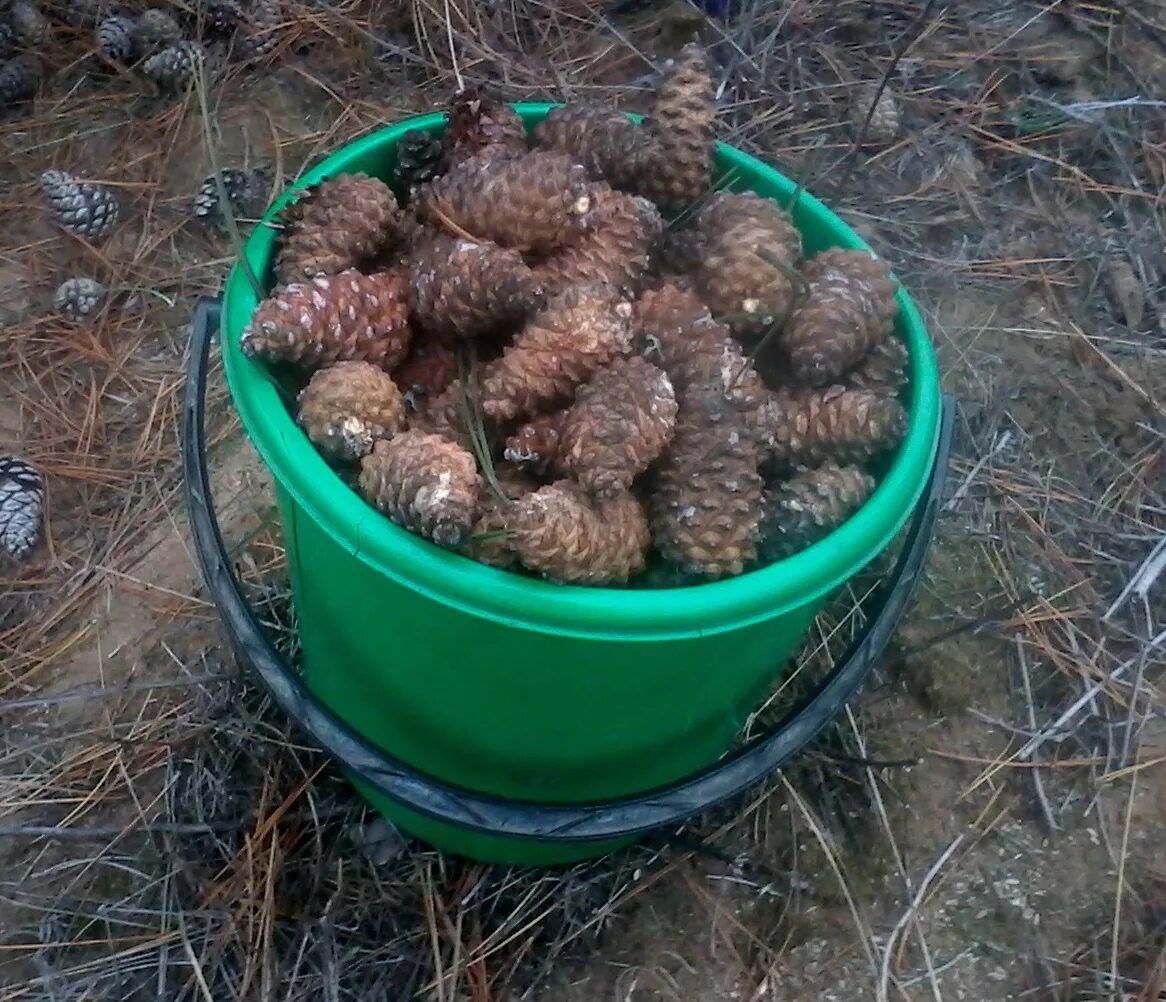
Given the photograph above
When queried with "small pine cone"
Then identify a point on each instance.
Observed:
(675, 331)
(835, 424)
(333, 318)
(885, 121)
(425, 484)
(76, 299)
(620, 422)
(706, 503)
(87, 209)
(537, 201)
(22, 497)
(809, 506)
(884, 370)
(605, 141)
(419, 156)
(558, 349)
(174, 68)
(29, 24)
(617, 250)
(464, 289)
(678, 167)
(535, 445)
(20, 77)
(348, 407)
(565, 535)
(429, 368)
(477, 122)
(258, 31)
(729, 235)
(219, 18)
(115, 40)
(490, 541)
(850, 307)
(447, 414)
(337, 224)
(246, 192)
(155, 29)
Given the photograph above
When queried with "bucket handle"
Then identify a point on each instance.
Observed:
(556, 823)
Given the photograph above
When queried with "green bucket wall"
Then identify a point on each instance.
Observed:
(519, 688)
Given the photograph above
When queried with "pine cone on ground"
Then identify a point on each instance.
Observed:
(333, 318)
(835, 424)
(155, 29)
(464, 289)
(850, 307)
(29, 24)
(115, 40)
(258, 29)
(477, 122)
(219, 18)
(605, 141)
(22, 496)
(884, 370)
(535, 445)
(706, 504)
(337, 224)
(535, 201)
(809, 506)
(429, 368)
(87, 209)
(616, 250)
(558, 349)
(424, 484)
(680, 125)
(20, 77)
(490, 540)
(727, 238)
(565, 535)
(419, 156)
(885, 121)
(76, 299)
(620, 422)
(174, 68)
(348, 407)
(246, 192)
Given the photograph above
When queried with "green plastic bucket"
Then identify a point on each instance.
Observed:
(451, 691)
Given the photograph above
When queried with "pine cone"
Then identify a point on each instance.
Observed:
(678, 167)
(425, 484)
(884, 370)
(174, 68)
(87, 209)
(9, 43)
(22, 496)
(617, 250)
(465, 289)
(675, 331)
(154, 29)
(114, 37)
(620, 422)
(564, 535)
(535, 445)
(727, 238)
(246, 192)
(605, 141)
(348, 407)
(557, 350)
(337, 224)
(885, 121)
(418, 159)
(20, 77)
(850, 307)
(29, 24)
(477, 122)
(810, 506)
(490, 541)
(429, 368)
(835, 424)
(258, 30)
(537, 201)
(219, 18)
(333, 318)
(78, 298)
(705, 507)
(447, 415)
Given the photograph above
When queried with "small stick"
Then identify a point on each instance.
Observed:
(1030, 709)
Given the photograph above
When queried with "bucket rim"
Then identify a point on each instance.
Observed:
(531, 603)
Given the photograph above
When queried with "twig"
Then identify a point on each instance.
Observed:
(1030, 710)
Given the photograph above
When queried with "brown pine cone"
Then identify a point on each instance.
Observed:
(462, 288)
(347, 407)
(678, 167)
(675, 331)
(705, 507)
(535, 201)
(620, 422)
(425, 484)
(729, 274)
(558, 349)
(337, 224)
(429, 368)
(535, 445)
(565, 535)
(477, 122)
(884, 370)
(836, 424)
(809, 507)
(849, 308)
(333, 318)
(617, 250)
(605, 141)
(490, 540)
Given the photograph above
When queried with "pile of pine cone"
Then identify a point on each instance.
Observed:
(526, 362)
